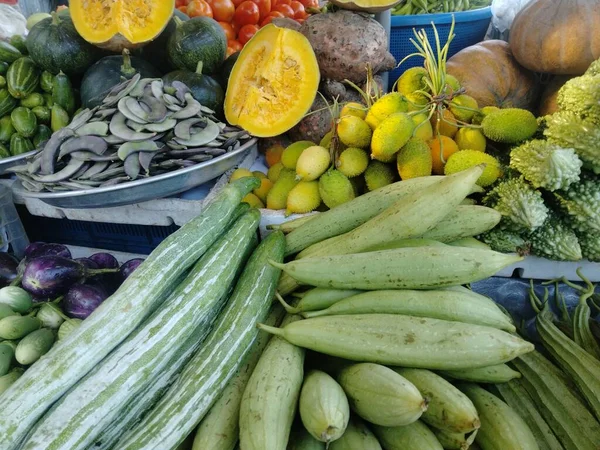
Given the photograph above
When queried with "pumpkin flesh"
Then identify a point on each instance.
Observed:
(118, 24)
(273, 83)
(369, 6)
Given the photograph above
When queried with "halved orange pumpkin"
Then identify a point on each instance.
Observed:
(118, 24)
(273, 82)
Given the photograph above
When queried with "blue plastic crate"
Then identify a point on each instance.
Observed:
(469, 29)
(141, 239)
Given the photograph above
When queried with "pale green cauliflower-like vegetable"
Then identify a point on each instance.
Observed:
(505, 241)
(581, 96)
(555, 240)
(580, 203)
(594, 68)
(568, 130)
(590, 245)
(521, 205)
(546, 165)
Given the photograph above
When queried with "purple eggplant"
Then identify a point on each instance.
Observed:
(42, 249)
(8, 269)
(81, 300)
(88, 262)
(105, 260)
(33, 247)
(129, 267)
(51, 276)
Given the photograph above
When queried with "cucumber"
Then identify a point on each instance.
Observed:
(8, 380)
(33, 346)
(349, 215)
(17, 327)
(404, 341)
(75, 355)
(323, 407)
(6, 129)
(415, 436)
(51, 316)
(499, 373)
(42, 134)
(220, 429)
(7, 354)
(563, 410)
(381, 396)
(7, 102)
(438, 304)
(46, 81)
(301, 439)
(208, 372)
(73, 422)
(20, 145)
(48, 102)
(448, 409)
(357, 437)
(59, 118)
(455, 441)
(32, 100)
(42, 113)
(321, 298)
(24, 121)
(9, 53)
(16, 298)
(579, 365)
(271, 396)
(516, 396)
(22, 78)
(62, 93)
(404, 268)
(6, 311)
(501, 427)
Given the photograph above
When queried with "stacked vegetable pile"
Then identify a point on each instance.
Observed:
(33, 103)
(139, 127)
(49, 295)
(409, 7)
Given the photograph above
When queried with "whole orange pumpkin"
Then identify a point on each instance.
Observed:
(491, 75)
(557, 36)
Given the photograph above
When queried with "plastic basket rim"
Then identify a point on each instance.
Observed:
(442, 18)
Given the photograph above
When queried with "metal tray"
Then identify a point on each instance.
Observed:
(145, 189)
(7, 163)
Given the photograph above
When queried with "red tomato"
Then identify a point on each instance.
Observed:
(247, 13)
(299, 12)
(236, 46)
(228, 29)
(246, 33)
(310, 3)
(183, 9)
(197, 8)
(238, 2)
(272, 15)
(286, 10)
(264, 6)
(179, 3)
(223, 10)
(283, 2)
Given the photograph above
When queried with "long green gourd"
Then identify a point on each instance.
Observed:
(71, 358)
(94, 403)
(203, 379)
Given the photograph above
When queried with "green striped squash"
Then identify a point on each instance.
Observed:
(23, 77)
(79, 352)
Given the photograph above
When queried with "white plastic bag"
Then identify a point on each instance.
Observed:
(504, 12)
(11, 20)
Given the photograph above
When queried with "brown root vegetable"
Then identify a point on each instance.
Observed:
(345, 42)
(548, 103)
(315, 125)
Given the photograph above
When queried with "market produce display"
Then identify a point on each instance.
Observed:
(410, 7)
(45, 297)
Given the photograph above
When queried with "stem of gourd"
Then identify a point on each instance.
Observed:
(127, 69)
(55, 18)
(199, 67)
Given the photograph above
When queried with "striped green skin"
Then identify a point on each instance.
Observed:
(405, 341)
(414, 436)
(562, 408)
(79, 416)
(23, 77)
(7, 354)
(516, 396)
(208, 372)
(75, 355)
(7, 102)
(499, 373)
(405, 268)
(220, 428)
(501, 427)
(441, 304)
(6, 381)
(9, 53)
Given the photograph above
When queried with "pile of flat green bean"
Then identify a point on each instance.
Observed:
(413, 7)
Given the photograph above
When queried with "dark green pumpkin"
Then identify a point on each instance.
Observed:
(55, 45)
(200, 39)
(110, 71)
(226, 68)
(204, 88)
(156, 51)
